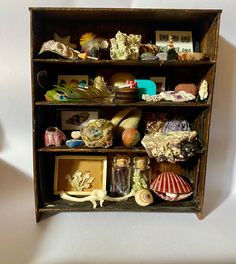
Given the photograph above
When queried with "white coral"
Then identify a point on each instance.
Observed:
(80, 180)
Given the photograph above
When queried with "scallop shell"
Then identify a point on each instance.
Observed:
(171, 187)
(143, 197)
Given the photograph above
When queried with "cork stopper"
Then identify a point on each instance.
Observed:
(141, 163)
(121, 161)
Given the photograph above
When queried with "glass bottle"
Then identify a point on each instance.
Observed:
(120, 180)
(141, 173)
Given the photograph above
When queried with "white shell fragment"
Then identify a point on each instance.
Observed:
(203, 90)
(60, 49)
(173, 96)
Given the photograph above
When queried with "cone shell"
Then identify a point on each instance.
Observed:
(171, 187)
(143, 197)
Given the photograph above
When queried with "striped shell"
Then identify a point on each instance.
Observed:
(143, 197)
(171, 187)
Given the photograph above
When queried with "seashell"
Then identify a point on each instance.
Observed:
(203, 90)
(74, 143)
(143, 197)
(196, 56)
(171, 187)
(130, 122)
(60, 49)
(53, 136)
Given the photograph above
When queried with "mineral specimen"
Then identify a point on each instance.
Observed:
(167, 147)
(187, 87)
(173, 96)
(97, 133)
(125, 46)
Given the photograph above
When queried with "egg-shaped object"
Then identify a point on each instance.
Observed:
(171, 187)
(75, 134)
(143, 197)
(131, 137)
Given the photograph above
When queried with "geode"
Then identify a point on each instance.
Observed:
(97, 133)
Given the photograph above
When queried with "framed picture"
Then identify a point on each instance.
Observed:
(74, 120)
(73, 80)
(79, 175)
(160, 83)
(182, 40)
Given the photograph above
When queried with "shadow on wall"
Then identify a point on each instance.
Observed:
(222, 143)
(19, 233)
(1, 138)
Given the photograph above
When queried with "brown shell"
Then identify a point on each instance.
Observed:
(168, 182)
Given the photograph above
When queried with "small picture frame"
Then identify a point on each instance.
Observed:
(160, 83)
(74, 120)
(79, 175)
(73, 81)
(182, 40)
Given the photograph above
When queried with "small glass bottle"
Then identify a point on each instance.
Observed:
(120, 180)
(141, 173)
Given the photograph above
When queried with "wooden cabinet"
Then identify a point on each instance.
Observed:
(204, 25)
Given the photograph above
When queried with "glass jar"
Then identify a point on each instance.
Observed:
(141, 173)
(120, 180)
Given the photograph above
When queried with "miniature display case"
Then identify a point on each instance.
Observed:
(121, 149)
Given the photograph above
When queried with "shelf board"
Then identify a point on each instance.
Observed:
(155, 63)
(135, 104)
(83, 149)
(126, 206)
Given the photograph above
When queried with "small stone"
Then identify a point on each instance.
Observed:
(187, 87)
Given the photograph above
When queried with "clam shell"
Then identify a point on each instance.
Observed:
(143, 197)
(171, 187)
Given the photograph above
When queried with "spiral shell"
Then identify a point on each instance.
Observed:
(143, 197)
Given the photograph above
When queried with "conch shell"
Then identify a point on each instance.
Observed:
(128, 117)
(143, 197)
(171, 187)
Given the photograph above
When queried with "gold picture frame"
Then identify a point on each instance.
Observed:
(79, 175)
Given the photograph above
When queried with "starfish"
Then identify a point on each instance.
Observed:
(65, 40)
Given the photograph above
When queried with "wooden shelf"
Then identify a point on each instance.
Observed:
(127, 206)
(135, 104)
(138, 63)
(92, 150)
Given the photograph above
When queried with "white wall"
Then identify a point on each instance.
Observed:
(16, 156)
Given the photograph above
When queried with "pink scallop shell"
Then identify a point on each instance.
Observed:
(168, 182)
